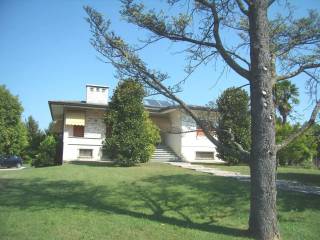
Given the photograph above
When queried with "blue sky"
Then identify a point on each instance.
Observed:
(45, 54)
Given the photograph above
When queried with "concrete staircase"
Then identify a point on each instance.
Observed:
(164, 154)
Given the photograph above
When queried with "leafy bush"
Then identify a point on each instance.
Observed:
(132, 135)
(47, 153)
(301, 151)
(233, 109)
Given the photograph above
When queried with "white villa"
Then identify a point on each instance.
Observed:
(81, 126)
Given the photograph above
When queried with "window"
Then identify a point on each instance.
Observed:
(91, 89)
(78, 131)
(103, 90)
(97, 89)
(205, 155)
(200, 132)
(85, 153)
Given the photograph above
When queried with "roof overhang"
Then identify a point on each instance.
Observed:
(95, 85)
(57, 107)
(155, 110)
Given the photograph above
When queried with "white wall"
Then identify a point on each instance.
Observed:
(174, 140)
(191, 143)
(94, 134)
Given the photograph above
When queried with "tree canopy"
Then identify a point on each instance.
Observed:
(12, 131)
(286, 95)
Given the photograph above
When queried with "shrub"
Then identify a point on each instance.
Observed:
(299, 152)
(316, 133)
(47, 153)
(132, 135)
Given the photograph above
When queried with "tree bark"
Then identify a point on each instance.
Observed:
(263, 224)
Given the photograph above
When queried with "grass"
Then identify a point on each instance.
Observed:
(308, 176)
(153, 201)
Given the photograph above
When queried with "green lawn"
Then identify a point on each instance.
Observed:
(154, 201)
(309, 176)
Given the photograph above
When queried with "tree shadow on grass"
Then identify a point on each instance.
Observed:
(304, 178)
(292, 201)
(94, 163)
(180, 200)
(193, 201)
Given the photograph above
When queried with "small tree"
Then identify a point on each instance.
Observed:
(59, 141)
(234, 116)
(35, 136)
(133, 136)
(47, 153)
(13, 134)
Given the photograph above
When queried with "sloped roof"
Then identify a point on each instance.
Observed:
(156, 106)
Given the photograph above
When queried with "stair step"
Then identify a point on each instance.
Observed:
(161, 154)
(164, 154)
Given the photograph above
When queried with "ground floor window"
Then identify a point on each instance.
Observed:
(85, 153)
(205, 155)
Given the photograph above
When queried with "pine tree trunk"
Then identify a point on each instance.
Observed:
(263, 223)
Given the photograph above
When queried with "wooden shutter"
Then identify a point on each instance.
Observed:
(78, 131)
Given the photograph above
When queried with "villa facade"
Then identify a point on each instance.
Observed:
(82, 128)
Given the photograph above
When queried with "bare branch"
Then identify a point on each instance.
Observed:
(147, 43)
(304, 128)
(244, 85)
(193, 68)
(298, 71)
